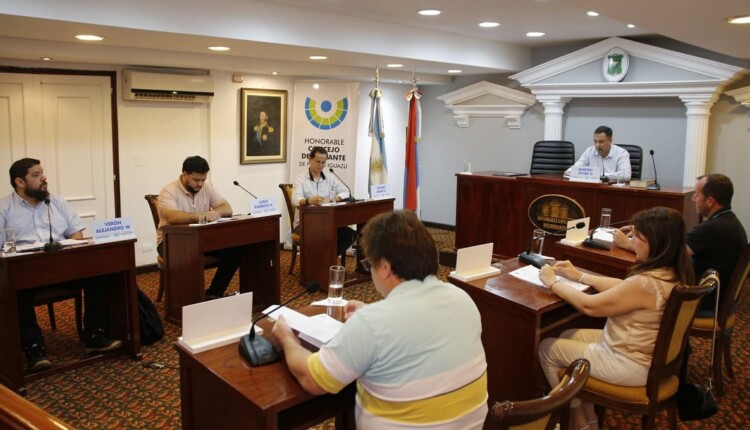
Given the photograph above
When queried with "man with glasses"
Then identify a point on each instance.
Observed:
(313, 187)
(415, 366)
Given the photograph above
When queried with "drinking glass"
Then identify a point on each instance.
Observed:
(201, 219)
(606, 218)
(537, 241)
(9, 241)
(336, 276)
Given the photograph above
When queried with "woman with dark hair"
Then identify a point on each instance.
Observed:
(621, 353)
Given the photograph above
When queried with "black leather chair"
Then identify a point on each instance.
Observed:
(552, 157)
(636, 160)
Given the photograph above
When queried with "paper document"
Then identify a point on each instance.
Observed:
(317, 330)
(325, 302)
(531, 274)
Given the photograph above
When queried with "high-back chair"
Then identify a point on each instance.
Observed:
(286, 189)
(552, 157)
(153, 201)
(636, 160)
(51, 295)
(660, 391)
(544, 413)
(729, 300)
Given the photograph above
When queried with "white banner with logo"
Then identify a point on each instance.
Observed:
(325, 114)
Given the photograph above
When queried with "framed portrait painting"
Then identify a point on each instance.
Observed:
(263, 126)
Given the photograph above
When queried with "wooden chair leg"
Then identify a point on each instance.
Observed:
(294, 259)
(728, 355)
(160, 294)
(718, 379)
(79, 315)
(672, 416)
(51, 313)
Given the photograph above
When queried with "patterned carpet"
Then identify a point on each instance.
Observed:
(124, 394)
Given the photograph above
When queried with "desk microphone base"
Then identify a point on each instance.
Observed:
(258, 351)
(535, 260)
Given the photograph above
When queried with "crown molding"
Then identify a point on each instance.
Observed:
(511, 112)
(627, 89)
(742, 95)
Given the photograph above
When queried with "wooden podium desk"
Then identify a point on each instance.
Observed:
(220, 390)
(35, 269)
(614, 262)
(516, 316)
(495, 208)
(184, 246)
(318, 238)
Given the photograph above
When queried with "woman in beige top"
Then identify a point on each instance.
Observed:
(620, 353)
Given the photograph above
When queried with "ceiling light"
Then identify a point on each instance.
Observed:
(318, 57)
(46, 58)
(89, 37)
(535, 34)
(274, 73)
(631, 26)
(219, 48)
(394, 65)
(489, 24)
(592, 13)
(429, 12)
(455, 71)
(743, 19)
(316, 86)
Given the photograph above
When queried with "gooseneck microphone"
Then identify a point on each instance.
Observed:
(51, 245)
(350, 198)
(590, 242)
(655, 185)
(245, 189)
(536, 260)
(258, 350)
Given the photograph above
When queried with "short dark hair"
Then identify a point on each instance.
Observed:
(400, 238)
(719, 187)
(318, 150)
(664, 229)
(604, 129)
(195, 164)
(20, 169)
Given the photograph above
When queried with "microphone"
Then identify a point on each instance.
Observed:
(603, 178)
(245, 189)
(590, 242)
(655, 185)
(350, 198)
(536, 260)
(51, 245)
(258, 350)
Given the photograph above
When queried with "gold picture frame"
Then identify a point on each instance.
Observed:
(262, 126)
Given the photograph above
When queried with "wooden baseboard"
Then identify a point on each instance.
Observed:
(437, 225)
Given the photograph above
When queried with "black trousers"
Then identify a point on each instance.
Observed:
(229, 262)
(94, 307)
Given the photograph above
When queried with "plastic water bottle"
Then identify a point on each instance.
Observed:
(332, 194)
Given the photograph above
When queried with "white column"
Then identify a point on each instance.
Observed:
(696, 136)
(553, 115)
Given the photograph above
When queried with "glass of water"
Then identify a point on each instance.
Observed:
(336, 277)
(9, 241)
(537, 241)
(606, 218)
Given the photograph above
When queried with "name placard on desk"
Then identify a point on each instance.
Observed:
(380, 191)
(113, 229)
(585, 173)
(263, 206)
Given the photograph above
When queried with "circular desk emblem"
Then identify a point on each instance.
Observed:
(551, 212)
(615, 65)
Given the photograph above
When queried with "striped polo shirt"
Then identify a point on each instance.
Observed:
(417, 356)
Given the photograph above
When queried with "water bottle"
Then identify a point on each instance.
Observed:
(332, 194)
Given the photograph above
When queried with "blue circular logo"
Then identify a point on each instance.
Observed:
(314, 113)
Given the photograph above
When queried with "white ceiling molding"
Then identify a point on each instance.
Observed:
(511, 104)
(742, 95)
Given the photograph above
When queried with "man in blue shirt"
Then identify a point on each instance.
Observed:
(29, 210)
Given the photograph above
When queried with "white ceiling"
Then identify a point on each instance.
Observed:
(357, 35)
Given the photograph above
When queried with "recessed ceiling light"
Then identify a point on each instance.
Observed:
(631, 26)
(274, 73)
(744, 19)
(318, 57)
(46, 58)
(394, 65)
(592, 13)
(455, 71)
(316, 86)
(219, 48)
(535, 34)
(429, 12)
(89, 37)
(489, 24)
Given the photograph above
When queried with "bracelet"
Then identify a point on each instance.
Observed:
(580, 280)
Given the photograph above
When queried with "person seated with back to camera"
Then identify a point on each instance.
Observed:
(622, 352)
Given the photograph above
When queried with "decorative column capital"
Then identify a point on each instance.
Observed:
(553, 104)
(699, 105)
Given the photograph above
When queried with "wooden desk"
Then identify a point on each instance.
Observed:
(30, 270)
(184, 248)
(614, 262)
(219, 389)
(516, 315)
(495, 209)
(318, 238)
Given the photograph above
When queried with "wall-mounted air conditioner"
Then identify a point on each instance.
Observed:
(153, 86)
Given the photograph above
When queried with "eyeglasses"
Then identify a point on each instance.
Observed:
(365, 264)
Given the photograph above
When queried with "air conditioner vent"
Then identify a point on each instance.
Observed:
(163, 87)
